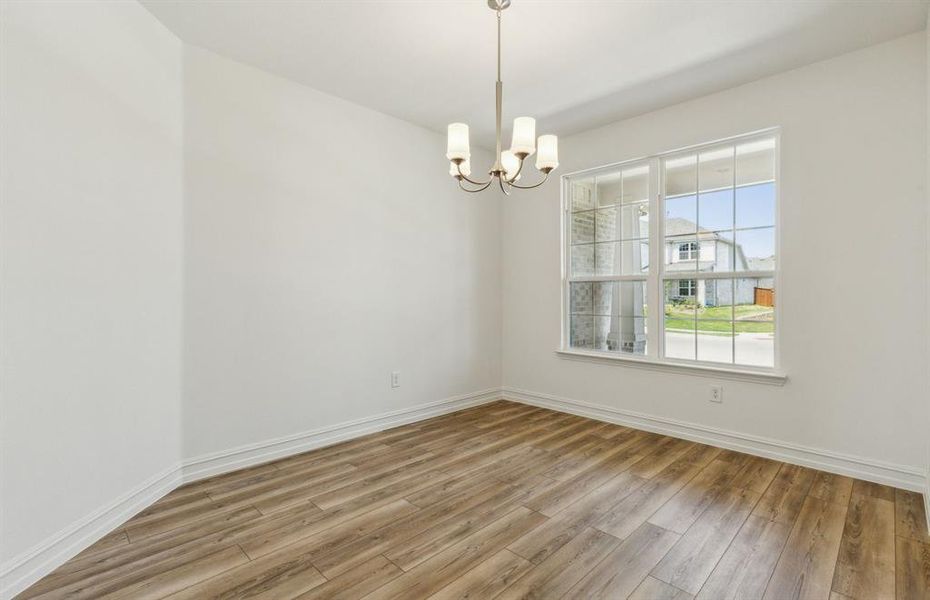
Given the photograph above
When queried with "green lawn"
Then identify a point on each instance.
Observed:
(681, 317)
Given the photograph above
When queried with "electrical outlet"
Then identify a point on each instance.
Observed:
(716, 393)
(395, 379)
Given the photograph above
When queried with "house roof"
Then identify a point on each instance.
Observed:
(677, 226)
(762, 264)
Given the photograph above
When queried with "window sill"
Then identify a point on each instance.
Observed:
(701, 370)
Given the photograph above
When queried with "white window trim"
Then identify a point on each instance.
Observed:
(691, 253)
(692, 287)
(657, 275)
(669, 365)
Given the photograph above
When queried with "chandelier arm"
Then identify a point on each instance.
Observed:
(529, 187)
(503, 189)
(458, 167)
(480, 189)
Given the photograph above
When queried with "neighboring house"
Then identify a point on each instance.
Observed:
(690, 249)
(763, 264)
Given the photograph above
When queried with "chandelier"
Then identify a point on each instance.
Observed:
(508, 165)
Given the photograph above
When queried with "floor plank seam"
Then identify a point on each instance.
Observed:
(249, 558)
(845, 523)
(673, 585)
(402, 570)
(836, 558)
(895, 530)
(783, 546)
(508, 547)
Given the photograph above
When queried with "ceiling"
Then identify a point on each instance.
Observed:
(572, 64)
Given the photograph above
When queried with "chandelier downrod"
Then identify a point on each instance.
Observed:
(499, 95)
(508, 165)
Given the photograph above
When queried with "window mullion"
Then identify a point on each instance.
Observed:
(719, 275)
(656, 261)
(566, 261)
(606, 278)
(697, 233)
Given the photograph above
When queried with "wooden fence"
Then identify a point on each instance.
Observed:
(764, 297)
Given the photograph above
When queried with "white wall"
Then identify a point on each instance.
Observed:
(150, 189)
(854, 342)
(927, 190)
(326, 247)
(91, 272)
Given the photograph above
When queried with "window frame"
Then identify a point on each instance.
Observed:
(690, 253)
(691, 288)
(657, 275)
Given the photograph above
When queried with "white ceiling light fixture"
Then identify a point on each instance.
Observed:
(508, 165)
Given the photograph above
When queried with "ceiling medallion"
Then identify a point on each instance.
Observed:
(508, 165)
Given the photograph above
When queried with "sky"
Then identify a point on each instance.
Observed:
(714, 211)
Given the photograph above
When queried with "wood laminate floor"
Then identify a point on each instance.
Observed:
(510, 501)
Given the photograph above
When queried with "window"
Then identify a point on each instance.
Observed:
(687, 251)
(609, 257)
(673, 258)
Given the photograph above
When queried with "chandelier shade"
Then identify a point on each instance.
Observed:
(457, 146)
(524, 136)
(508, 164)
(547, 156)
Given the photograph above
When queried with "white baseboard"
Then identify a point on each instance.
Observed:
(901, 476)
(43, 558)
(254, 454)
(34, 564)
